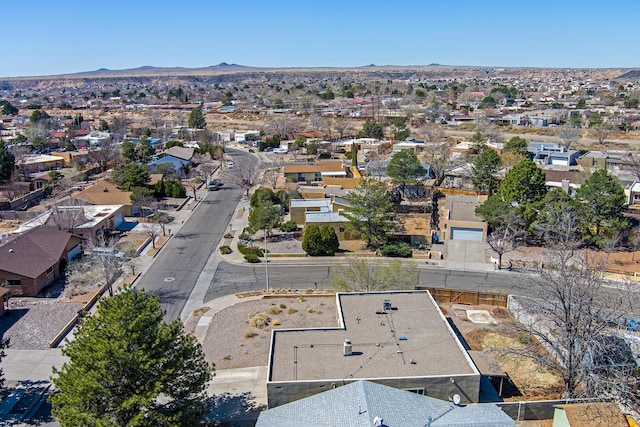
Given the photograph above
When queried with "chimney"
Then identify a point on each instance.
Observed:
(347, 347)
(565, 186)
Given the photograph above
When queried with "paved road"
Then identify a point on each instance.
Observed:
(176, 269)
(231, 278)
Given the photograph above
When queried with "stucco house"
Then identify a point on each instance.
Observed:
(384, 337)
(106, 193)
(314, 173)
(34, 259)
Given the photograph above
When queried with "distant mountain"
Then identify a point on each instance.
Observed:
(633, 74)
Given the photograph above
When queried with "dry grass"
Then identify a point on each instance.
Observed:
(258, 320)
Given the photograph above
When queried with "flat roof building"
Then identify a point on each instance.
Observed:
(399, 339)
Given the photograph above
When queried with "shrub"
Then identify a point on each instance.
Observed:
(252, 258)
(259, 320)
(249, 250)
(228, 235)
(224, 250)
(396, 249)
(275, 322)
(292, 310)
(289, 226)
(324, 156)
(244, 236)
(248, 333)
(273, 309)
(310, 309)
(283, 306)
(320, 240)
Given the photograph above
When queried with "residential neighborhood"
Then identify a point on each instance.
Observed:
(413, 246)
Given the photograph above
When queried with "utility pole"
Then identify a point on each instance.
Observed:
(266, 259)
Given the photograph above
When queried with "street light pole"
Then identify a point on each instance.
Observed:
(266, 259)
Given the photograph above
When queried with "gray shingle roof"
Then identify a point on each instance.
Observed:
(358, 404)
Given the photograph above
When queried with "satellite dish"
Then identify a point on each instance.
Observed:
(456, 399)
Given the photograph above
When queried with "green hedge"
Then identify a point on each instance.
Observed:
(250, 250)
(252, 258)
(396, 249)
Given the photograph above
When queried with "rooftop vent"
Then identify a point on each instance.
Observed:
(386, 305)
(348, 349)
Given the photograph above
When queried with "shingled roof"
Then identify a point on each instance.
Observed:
(31, 253)
(362, 403)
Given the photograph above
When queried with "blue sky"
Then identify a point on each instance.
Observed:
(54, 37)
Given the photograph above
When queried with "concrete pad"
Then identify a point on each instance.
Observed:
(481, 316)
(236, 381)
(34, 365)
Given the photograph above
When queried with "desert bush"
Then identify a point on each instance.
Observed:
(259, 320)
(228, 235)
(248, 333)
(273, 309)
(283, 306)
(292, 310)
(275, 322)
(310, 309)
(224, 250)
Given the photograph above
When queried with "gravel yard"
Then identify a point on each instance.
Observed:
(232, 343)
(32, 323)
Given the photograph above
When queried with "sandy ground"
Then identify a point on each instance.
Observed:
(232, 343)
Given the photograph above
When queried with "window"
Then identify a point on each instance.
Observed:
(49, 270)
(341, 229)
(14, 282)
(317, 176)
(415, 390)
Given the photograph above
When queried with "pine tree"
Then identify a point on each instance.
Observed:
(127, 367)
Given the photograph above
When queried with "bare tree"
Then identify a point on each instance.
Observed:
(272, 174)
(206, 166)
(163, 219)
(570, 315)
(193, 183)
(315, 121)
(368, 274)
(106, 155)
(488, 130)
(568, 135)
(107, 259)
(156, 120)
(433, 133)
(508, 237)
(284, 124)
(152, 231)
(342, 126)
(244, 174)
(119, 127)
(601, 132)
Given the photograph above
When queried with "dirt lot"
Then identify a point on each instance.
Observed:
(499, 339)
(232, 343)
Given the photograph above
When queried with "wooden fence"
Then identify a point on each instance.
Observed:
(465, 297)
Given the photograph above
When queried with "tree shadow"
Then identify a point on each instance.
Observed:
(25, 402)
(10, 318)
(238, 410)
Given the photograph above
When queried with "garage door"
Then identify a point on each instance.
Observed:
(459, 233)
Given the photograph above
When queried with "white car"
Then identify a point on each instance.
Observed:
(280, 151)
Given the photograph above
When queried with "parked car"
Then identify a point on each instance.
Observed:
(214, 185)
(280, 151)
